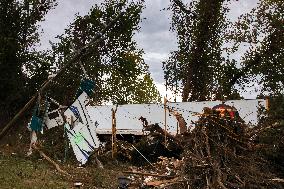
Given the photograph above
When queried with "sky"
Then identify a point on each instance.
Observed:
(155, 37)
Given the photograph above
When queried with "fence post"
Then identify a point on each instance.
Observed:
(113, 138)
(267, 100)
(165, 108)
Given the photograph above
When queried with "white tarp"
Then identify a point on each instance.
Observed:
(82, 136)
(127, 116)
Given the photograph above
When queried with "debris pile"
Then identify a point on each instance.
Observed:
(221, 151)
(153, 145)
(218, 153)
(164, 173)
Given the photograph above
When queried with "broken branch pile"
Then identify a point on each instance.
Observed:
(217, 153)
(219, 157)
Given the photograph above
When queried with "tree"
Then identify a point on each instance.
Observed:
(116, 65)
(262, 29)
(200, 69)
(197, 68)
(18, 57)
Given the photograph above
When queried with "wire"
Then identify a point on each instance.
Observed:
(140, 153)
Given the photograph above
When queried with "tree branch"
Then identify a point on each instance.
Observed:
(182, 6)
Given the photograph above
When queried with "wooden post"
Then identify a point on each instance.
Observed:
(165, 108)
(113, 138)
(267, 100)
(176, 99)
(72, 58)
(177, 127)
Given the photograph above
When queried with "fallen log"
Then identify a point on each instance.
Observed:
(162, 182)
(51, 161)
(277, 180)
(148, 174)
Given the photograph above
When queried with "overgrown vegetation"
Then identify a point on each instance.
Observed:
(19, 172)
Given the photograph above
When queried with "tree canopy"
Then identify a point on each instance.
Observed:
(116, 65)
(262, 30)
(18, 36)
(196, 66)
(201, 68)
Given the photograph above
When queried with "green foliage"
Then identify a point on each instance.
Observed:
(273, 147)
(275, 114)
(23, 173)
(116, 65)
(198, 67)
(263, 30)
(18, 36)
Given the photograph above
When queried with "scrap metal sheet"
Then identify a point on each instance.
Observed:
(82, 136)
(127, 116)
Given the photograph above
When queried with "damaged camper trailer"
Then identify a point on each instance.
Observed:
(86, 124)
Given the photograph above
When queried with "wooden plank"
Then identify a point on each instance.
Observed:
(113, 138)
(165, 108)
(161, 182)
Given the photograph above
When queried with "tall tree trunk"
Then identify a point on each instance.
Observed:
(197, 79)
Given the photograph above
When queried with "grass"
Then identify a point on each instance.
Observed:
(19, 171)
(24, 173)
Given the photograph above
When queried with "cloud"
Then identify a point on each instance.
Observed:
(59, 18)
(154, 37)
(154, 60)
(238, 8)
(167, 93)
